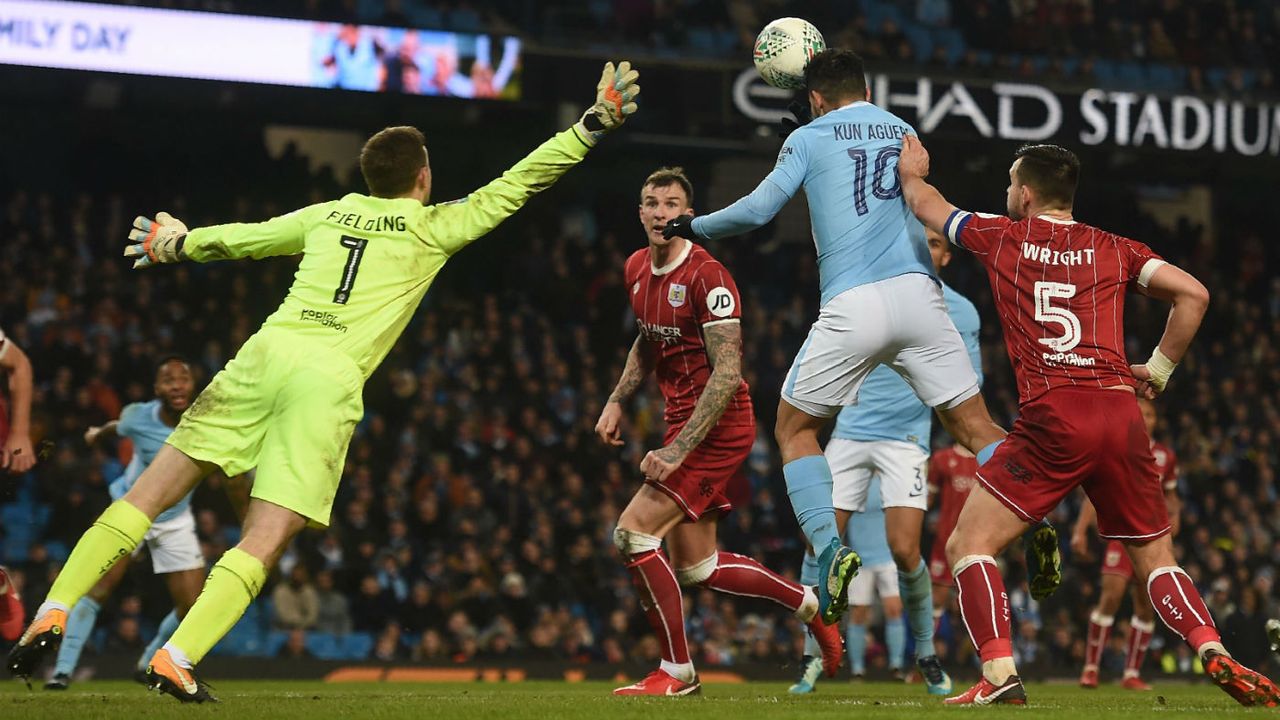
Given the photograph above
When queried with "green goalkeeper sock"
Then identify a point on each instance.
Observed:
(115, 534)
(233, 583)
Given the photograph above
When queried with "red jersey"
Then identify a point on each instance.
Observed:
(951, 475)
(1166, 465)
(672, 305)
(1059, 289)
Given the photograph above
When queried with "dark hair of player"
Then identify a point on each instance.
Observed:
(1051, 170)
(391, 159)
(171, 357)
(666, 177)
(836, 75)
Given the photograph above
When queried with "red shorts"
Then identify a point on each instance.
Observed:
(711, 478)
(1115, 560)
(1089, 437)
(12, 614)
(939, 568)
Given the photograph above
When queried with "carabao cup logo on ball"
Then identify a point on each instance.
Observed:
(782, 50)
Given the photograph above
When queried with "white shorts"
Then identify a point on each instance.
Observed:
(173, 545)
(903, 468)
(901, 322)
(870, 582)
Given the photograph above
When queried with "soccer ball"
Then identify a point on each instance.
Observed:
(782, 50)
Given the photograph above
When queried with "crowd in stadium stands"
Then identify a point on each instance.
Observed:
(476, 509)
(1203, 46)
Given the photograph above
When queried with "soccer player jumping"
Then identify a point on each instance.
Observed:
(689, 314)
(881, 305)
(886, 435)
(290, 399)
(1059, 288)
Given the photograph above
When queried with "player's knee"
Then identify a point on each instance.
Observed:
(906, 554)
(631, 543)
(698, 573)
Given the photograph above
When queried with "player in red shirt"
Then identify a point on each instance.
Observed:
(1059, 288)
(1117, 574)
(952, 474)
(689, 314)
(16, 456)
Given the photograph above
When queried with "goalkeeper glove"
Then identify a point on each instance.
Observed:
(156, 241)
(615, 100)
(802, 117)
(680, 226)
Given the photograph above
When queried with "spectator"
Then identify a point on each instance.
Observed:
(296, 605)
(295, 646)
(333, 610)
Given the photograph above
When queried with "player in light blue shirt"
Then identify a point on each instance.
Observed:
(172, 542)
(881, 303)
(878, 454)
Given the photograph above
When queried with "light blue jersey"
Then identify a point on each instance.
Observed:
(866, 532)
(887, 409)
(141, 423)
(847, 162)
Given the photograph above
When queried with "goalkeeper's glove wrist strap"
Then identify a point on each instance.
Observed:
(1160, 367)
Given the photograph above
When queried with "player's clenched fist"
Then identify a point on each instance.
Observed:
(914, 160)
(17, 456)
(615, 100)
(156, 241)
(658, 465)
(608, 427)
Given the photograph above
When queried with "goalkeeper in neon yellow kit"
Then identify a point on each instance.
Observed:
(289, 400)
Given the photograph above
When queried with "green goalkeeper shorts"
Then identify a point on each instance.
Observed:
(286, 406)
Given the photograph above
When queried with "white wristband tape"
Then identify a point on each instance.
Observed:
(1160, 368)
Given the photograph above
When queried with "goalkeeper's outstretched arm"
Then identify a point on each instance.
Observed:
(454, 225)
(166, 239)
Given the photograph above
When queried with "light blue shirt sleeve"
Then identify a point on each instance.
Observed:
(130, 416)
(759, 207)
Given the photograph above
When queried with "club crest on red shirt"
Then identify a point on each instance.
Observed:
(676, 295)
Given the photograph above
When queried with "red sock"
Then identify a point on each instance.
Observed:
(660, 597)
(984, 607)
(1180, 606)
(740, 575)
(1139, 641)
(1099, 629)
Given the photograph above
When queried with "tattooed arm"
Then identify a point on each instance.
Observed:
(640, 362)
(724, 348)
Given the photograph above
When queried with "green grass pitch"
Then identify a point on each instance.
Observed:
(278, 700)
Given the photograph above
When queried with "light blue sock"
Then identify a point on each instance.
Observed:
(79, 626)
(809, 577)
(985, 453)
(855, 646)
(895, 636)
(809, 487)
(163, 633)
(916, 590)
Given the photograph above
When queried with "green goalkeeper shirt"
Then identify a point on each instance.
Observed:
(367, 261)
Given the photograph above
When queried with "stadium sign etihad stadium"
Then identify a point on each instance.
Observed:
(1030, 112)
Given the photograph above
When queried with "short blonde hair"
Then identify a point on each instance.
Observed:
(667, 176)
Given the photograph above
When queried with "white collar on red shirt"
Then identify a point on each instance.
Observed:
(1057, 221)
(684, 255)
